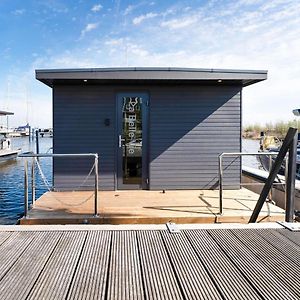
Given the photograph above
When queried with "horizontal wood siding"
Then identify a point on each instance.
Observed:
(78, 121)
(189, 127)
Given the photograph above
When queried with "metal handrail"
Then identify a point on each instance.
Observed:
(58, 155)
(34, 155)
(233, 154)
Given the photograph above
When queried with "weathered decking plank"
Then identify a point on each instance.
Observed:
(293, 236)
(54, 280)
(187, 265)
(150, 264)
(251, 267)
(158, 276)
(21, 277)
(283, 244)
(279, 264)
(219, 266)
(12, 249)
(4, 236)
(91, 275)
(125, 280)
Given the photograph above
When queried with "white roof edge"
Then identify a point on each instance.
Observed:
(151, 69)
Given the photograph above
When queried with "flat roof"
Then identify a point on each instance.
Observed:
(5, 113)
(151, 75)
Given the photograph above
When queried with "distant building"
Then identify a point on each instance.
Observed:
(153, 128)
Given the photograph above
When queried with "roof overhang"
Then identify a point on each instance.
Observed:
(150, 76)
(6, 113)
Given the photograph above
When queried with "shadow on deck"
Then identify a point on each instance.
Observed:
(148, 207)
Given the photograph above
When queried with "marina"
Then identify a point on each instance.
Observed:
(124, 223)
(149, 150)
(12, 180)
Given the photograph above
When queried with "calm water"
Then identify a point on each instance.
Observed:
(250, 146)
(12, 180)
(12, 177)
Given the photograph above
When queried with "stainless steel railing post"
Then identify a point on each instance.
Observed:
(286, 168)
(270, 168)
(36, 156)
(25, 188)
(220, 185)
(290, 180)
(221, 175)
(33, 180)
(96, 185)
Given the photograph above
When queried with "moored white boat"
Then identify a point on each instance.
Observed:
(6, 151)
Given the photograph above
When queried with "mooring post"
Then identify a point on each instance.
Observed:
(25, 188)
(290, 181)
(37, 142)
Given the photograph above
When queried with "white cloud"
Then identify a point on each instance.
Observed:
(138, 20)
(89, 27)
(129, 9)
(19, 12)
(179, 23)
(96, 8)
(114, 42)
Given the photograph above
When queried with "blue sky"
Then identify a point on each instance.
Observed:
(242, 34)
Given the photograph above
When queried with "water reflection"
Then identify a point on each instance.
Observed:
(12, 180)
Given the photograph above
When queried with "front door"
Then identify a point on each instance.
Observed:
(132, 137)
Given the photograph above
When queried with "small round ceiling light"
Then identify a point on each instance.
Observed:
(84, 80)
(220, 80)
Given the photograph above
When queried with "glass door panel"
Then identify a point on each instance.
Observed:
(132, 143)
(132, 140)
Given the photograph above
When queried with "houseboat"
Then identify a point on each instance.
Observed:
(153, 128)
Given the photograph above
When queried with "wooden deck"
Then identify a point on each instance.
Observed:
(148, 207)
(96, 262)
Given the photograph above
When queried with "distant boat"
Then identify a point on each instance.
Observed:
(4, 129)
(22, 131)
(46, 132)
(6, 151)
(273, 144)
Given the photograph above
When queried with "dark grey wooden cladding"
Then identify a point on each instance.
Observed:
(78, 122)
(189, 127)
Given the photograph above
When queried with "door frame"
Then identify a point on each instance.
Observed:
(119, 185)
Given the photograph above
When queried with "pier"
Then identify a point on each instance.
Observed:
(148, 207)
(148, 262)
